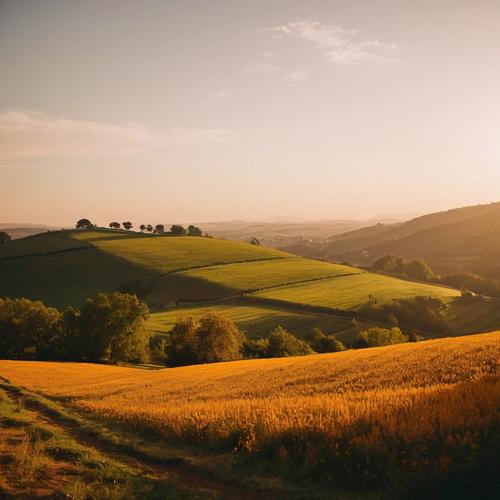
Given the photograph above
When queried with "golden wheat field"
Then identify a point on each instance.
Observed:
(320, 392)
(424, 403)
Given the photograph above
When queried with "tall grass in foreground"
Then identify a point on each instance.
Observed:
(416, 419)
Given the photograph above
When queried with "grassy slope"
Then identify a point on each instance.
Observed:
(350, 292)
(258, 320)
(64, 268)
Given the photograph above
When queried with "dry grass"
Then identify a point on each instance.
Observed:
(395, 415)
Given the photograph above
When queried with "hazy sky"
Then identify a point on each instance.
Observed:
(165, 111)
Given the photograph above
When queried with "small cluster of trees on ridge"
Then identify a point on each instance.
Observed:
(175, 229)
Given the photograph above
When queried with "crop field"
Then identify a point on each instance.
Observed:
(67, 278)
(402, 416)
(250, 276)
(166, 254)
(40, 244)
(350, 292)
(477, 316)
(257, 321)
(65, 268)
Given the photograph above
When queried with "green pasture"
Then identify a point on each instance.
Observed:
(256, 321)
(350, 292)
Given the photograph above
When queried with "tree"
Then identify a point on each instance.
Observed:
(149, 228)
(4, 237)
(419, 270)
(160, 228)
(282, 343)
(218, 339)
(194, 231)
(127, 225)
(376, 337)
(114, 225)
(390, 264)
(142, 227)
(111, 326)
(183, 346)
(178, 230)
(27, 328)
(254, 241)
(212, 339)
(84, 224)
(255, 348)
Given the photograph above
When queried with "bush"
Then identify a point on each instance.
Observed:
(324, 343)
(282, 343)
(377, 337)
(255, 348)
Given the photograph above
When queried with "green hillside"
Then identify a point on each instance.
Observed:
(459, 240)
(260, 288)
(350, 292)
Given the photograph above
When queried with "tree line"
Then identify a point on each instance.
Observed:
(471, 284)
(175, 229)
(112, 328)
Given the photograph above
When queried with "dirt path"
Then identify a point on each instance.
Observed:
(176, 470)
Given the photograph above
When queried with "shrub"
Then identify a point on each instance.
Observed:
(255, 348)
(377, 337)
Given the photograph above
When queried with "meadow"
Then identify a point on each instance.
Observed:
(256, 320)
(411, 418)
(350, 292)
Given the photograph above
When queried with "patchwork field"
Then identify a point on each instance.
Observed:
(272, 287)
(258, 320)
(350, 292)
(350, 419)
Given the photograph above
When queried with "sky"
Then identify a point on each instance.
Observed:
(164, 111)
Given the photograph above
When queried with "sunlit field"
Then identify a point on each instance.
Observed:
(350, 292)
(166, 254)
(401, 414)
(257, 320)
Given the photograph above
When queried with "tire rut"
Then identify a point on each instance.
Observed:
(175, 470)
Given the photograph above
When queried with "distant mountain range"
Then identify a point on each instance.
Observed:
(462, 239)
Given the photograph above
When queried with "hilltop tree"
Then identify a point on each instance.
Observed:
(84, 224)
(127, 225)
(149, 228)
(114, 225)
(254, 241)
(142, 227)
(4, 237)
(178, 230)
(193, 231)
(160, 228)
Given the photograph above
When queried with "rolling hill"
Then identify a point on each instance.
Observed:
(260, 288)
(462, 239)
